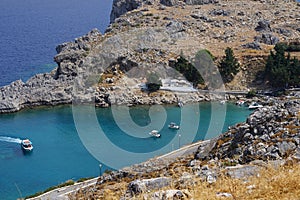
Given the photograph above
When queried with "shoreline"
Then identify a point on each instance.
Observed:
(61, 193)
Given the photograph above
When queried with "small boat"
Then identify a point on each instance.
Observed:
(254, 105)
(240, 102)
(172, 125)
(222, 102)
(26, 145)
(180, 103)
(154, 133)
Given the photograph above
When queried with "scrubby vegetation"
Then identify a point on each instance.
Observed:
(281, 182)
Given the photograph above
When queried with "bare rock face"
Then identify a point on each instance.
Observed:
(121, 7)
(169, 2)
(70, 54)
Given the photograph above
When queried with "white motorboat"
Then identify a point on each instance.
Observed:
(180, 104)
(255, 105)
(222, 102)
(26, 145)
(173, 125)
(154, 133)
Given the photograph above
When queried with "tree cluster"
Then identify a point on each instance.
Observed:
(188, 71)
(281, 71)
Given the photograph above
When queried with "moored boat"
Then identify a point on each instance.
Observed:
(255, 105)
(26, 145)
(154, 133)
(240, 102)
(173, 125)
(180, 104)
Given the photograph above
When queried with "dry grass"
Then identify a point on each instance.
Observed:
(271, 183)
(282, 183)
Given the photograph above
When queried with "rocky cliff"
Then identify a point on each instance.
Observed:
(50, 88)
(149, 36)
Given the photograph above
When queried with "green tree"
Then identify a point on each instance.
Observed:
(153, 82)
(281, 71)
(188, 71)
(228, 66)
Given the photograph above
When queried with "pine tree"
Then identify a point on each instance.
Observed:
(228, 66)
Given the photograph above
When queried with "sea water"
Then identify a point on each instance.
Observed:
(60, 155)
(30, 30)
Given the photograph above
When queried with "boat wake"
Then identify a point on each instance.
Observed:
(10, 139)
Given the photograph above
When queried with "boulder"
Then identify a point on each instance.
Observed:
(242, 171)
(267, 38)
(140, 186)
(263, 25)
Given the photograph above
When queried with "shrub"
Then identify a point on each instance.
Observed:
(251, 93)
(153, 82)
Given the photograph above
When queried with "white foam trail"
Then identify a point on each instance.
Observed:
(10, 139)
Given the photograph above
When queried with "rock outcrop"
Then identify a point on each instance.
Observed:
(50, 88)
(270, 133)
(121, 7)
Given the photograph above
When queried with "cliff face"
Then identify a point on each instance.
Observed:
(121, 7)
(148, 36)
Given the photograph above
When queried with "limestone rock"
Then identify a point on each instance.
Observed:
(140, 186)
(267, 38)
(263, 25)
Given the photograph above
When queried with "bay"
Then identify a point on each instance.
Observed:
(59, 153)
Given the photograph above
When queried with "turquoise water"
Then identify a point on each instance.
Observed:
(59, 154)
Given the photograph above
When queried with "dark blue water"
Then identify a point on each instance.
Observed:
(31, 29)
(59, 154)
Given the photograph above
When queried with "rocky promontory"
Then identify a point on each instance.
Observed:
(50, 88)
(149, 36)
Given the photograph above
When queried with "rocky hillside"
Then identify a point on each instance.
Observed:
(149, 36)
